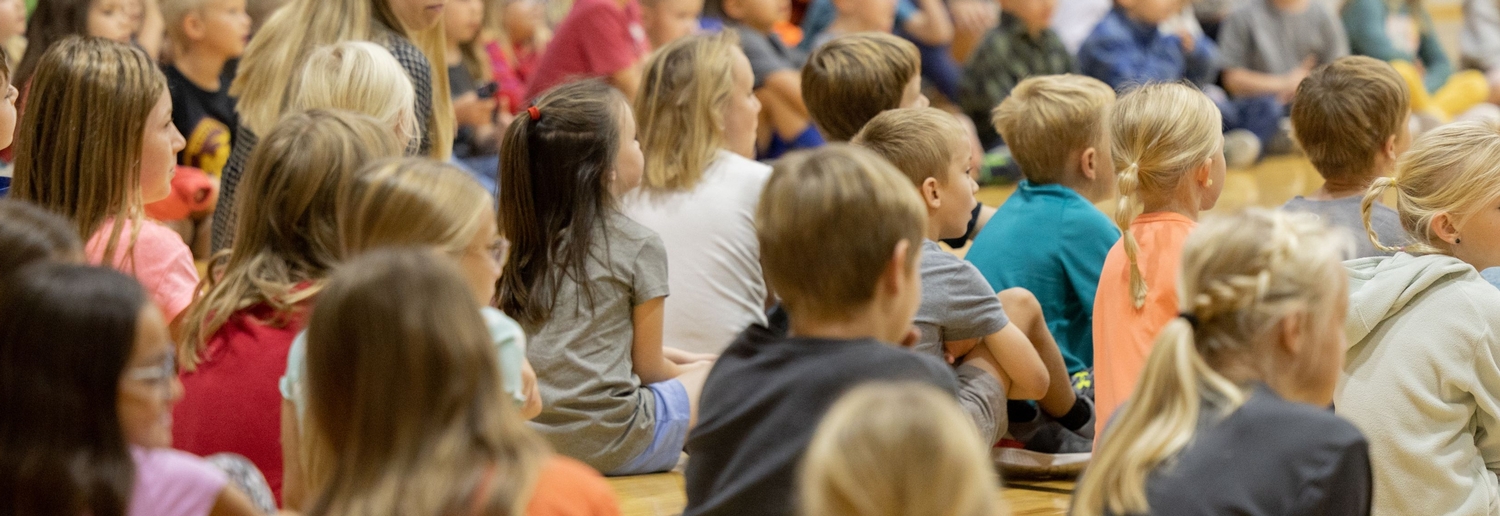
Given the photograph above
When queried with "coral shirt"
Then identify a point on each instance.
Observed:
(159, 260)
(567, 487)
(1124, 334)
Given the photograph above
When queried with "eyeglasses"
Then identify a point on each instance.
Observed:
(159, 375)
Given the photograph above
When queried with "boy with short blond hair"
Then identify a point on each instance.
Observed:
(849, 305)
(1048, 237)
(1000, 343)
(1350, 116)
(852, 78)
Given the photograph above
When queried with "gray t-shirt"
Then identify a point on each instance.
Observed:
(1259, 37)
(1345, 213)
(957, 302)
(766, 52)
(594, 407)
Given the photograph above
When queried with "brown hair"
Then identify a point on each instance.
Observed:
(852, 78)
(443, 439)
(680, 110)
(30, 234)
(78, 150)
(918, 141)
(286, 238)
(412, 202)
(849, 205)
(1046, 121)
(1345, 111)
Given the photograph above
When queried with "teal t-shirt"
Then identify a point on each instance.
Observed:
(1052, 241)
(510, 348)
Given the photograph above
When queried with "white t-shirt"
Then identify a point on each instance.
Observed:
(713, 255)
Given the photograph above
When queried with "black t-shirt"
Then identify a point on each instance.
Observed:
(206, 119)
(763, 401)
(1270, 457)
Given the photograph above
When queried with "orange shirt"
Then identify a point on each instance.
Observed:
(1123, 334)
(566, 487)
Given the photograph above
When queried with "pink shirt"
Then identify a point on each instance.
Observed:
(595, 40)
(172, 483)
(162, 263)
(1124, 334)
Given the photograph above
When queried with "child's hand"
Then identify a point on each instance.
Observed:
(1185, 36)
(974, 16)
(533, 406)
(473, 111)
(1295, 77)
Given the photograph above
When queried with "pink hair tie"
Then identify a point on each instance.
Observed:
(536, 114)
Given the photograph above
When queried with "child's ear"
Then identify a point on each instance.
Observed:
(1201, 174)
(1390, 148)
(193, 26)
(1088, 165)
(1442, 227)
(930, 193)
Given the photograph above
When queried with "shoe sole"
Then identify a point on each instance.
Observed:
(1030, 464)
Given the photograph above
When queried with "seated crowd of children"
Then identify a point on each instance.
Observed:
(446, 257)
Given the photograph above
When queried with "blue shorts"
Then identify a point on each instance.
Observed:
(673, 411)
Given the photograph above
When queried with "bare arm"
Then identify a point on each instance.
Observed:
(646, 356)
(1019, 361)
(153, 29)
(533, 406)
(293, 491)
(231, 502)
(931, 24)
(627, 80)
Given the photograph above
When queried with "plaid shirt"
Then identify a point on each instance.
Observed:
(1007, 55)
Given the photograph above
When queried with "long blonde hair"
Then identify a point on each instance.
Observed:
(1453, 169)
(413, 202)
(286, 239)
(362, 77)
(78, 150)
(406, 413)
(1242, 276)
(271, 68)
(1162, 132)
(897, 449)
(680, 111)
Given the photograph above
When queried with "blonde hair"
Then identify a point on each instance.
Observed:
(362, 77)
(1162, 132)
(918, 141)
(442, 440)
(1345, 111)
(271, 69)
(1046, 121)
(174, 12)
(1453, 169)
(1242, 277)
(897, 449)
(852, 78)
(851, 206)
(680, 111)
(79, 143)
(410, 202)
(286, 239)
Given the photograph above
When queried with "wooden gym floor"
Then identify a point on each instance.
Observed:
(1269, 184)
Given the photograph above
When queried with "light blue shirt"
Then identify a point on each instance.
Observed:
(1493, 275)
(510, 348)
(1052, 241)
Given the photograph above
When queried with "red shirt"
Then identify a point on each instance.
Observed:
(596, 39)
(231, 401)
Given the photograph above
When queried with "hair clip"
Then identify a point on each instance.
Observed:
(536, 114)
(1191, 319)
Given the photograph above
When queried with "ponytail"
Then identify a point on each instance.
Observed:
(1367, 208)
(1129, 181)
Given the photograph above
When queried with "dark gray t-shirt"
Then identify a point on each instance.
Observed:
(957, 302)
(1259, 37)
(766, 52)
(1345, 213)
(594, 408)
(1269, 457)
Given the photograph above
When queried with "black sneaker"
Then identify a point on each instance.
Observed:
(1042, 448)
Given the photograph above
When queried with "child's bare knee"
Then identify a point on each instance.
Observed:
(1020, 299)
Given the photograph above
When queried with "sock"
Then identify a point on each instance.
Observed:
(1020, 411)
(1077, 417)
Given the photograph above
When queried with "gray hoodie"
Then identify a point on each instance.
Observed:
(1422, 381)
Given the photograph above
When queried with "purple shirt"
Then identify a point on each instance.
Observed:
(173, 483)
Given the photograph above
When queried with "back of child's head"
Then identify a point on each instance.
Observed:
(897, 449)
(29, 234)
(271, 69)
(52, 21)
(1244, 279)
(680, 109)
(829, 222)
(413, 202)
(79, 146)
(67, 333)
(555, 174)
(852, 78)
(413, 446)
(920, 142)
(362, 77)
(174, 12)
(1346, 111)
(1452, 171)
(287, 234)
(1047, 121)
(1161, 133)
